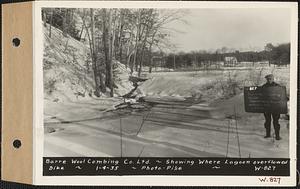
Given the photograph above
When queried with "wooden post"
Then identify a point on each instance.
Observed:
(237, 132)
(121, 137)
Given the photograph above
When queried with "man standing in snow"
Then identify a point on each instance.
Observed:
(268, 115)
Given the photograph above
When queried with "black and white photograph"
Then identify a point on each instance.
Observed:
(168, 90)
(165, 82)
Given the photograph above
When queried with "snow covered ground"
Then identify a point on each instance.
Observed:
(209, 84)
(172, 127)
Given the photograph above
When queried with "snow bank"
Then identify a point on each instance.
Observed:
(65, 74)
(121, 78)
(68, 72)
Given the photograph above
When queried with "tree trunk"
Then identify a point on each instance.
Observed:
(81, 31)
(90, 42)
(136, 43)
(111, 53)
(108, 48)
(105, 45)
(150, 50)
(51, 22)
(120, 40)
(143, 53)
(128, 53)
(121, 35)
(44, 18)
(129, 59)
(151, 63)
(94, 56)
(64, 26)
(134, 63)
(141, 61)
(144, 46)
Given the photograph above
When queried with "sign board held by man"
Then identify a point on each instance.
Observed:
(271, 99)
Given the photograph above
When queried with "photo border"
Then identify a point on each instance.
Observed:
(156, 180)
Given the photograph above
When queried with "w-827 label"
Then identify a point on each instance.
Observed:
(270, 180)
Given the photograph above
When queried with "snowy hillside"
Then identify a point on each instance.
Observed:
(65, 73)
(68, 70)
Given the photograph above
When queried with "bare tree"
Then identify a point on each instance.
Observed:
(130, 36)
(137, 39)
(160, 32)
(51, 22)
(93, 55)
(108, 47)
(120, 42)
(109, 70)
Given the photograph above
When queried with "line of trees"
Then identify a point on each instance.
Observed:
(130, 36)
(277, 55)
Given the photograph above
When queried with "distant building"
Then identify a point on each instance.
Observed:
(230, 61)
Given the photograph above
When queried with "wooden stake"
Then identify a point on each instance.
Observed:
(121, 137)
(228, 138)
(237, 132)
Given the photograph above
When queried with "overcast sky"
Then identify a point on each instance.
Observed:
(241, 29)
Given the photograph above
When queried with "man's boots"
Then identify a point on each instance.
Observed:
(277, 137)
(268, 133)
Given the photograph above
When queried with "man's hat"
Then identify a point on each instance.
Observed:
(269, 76)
